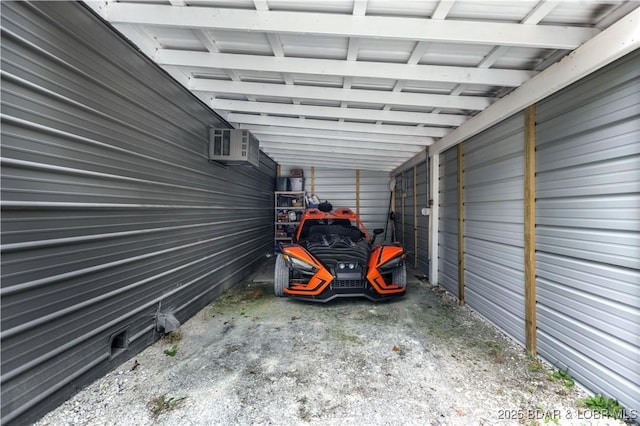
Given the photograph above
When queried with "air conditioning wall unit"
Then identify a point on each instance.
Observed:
(233, 147)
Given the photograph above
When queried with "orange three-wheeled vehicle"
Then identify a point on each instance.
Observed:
(333, 256)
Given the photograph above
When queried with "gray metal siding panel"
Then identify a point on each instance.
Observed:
(110, 209)
(410, 199)
(407, 220)
(338, 186)
(493, 225)
(423, 221)
(374, 199)
(398, 209)
(588, 230)
(448, 221)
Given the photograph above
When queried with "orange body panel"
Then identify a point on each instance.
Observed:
(379, 256)
(318, 282)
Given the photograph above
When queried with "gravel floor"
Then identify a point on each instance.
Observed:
(252, 358)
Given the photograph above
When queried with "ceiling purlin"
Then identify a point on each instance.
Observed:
(372, 114)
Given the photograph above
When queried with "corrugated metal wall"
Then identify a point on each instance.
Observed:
(448, 221)
(110, 210)
(405, 215)
(493, 225)
(422, 227)
(374, 199)
(338, 186)
(588, 230)
(411, 226)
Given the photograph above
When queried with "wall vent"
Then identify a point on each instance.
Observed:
(233, 146)
(119, 342)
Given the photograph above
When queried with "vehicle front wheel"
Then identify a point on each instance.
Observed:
(280, 276)
(399, 276)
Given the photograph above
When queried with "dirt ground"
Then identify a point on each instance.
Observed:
(252, 358)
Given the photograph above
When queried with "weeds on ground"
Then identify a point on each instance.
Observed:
(162, 404)
(497, 352)
(303, 413)
(342, 335)
(171, 352)
(535, 365)
(562, 376)
(173, 337)
(604, 405)
(551, 418)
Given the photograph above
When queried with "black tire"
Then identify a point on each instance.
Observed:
(280, 276)
(399, 276)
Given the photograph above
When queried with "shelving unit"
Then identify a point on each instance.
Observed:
(289, 206)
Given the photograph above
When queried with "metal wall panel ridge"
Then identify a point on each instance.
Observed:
(493, 225)
(111, 211)
(588, 230)
(448, 221)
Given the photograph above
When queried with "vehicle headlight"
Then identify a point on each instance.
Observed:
(344, 266)
(392, 264)
(300, 265)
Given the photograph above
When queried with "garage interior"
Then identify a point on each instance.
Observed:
(504, 136)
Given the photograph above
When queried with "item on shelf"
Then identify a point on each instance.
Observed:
(296, 173)
(325, 207)
(284, 201)
(296, 183)
(282, 183)
(289, 206)
(312, 201)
